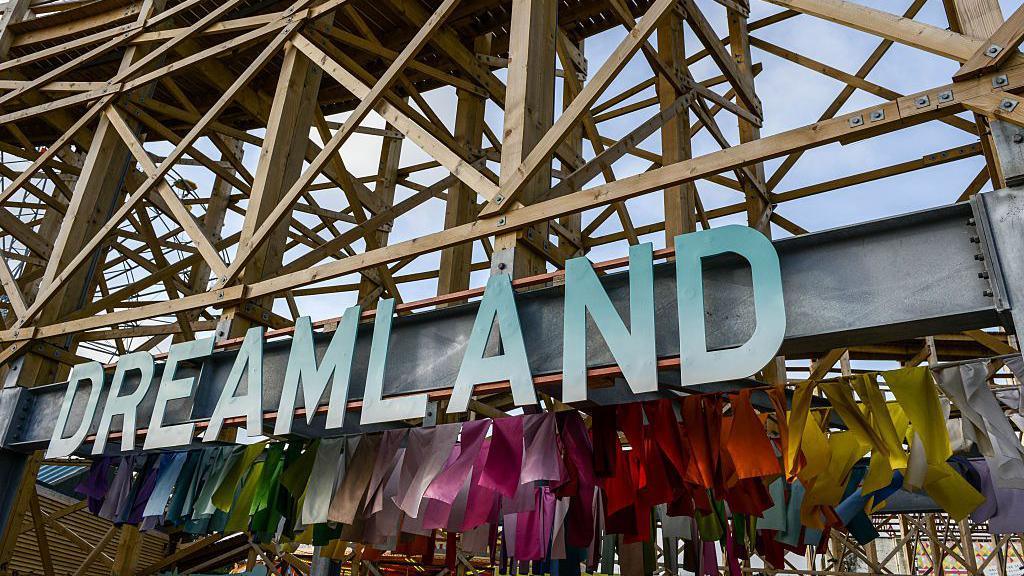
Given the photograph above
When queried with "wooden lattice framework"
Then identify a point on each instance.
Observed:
(173, 167)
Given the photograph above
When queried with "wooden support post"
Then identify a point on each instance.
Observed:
(759, 210)
(280, 163)
(99, 186)
(980, 19)
(573, 223)
(679, 201)
(212, 224)
(906, 554)
(529, 106)
(127, 557)
(387, 180)
(935, 549)
(454, 268)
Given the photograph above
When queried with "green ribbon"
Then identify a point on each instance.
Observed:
(225, 493)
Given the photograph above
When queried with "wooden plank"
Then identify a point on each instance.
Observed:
(460, 206)
(179, 554)
(844, 95)
(1003, 43)
(53, 279)
(42, 540)
(513, 183)
(896, 115)
(96, 552)
(369, 100)
(739, 80)
(886, 25)
(179, 211)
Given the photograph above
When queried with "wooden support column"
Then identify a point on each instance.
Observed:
(456, 262)
(679, 201)
(573, 223)
(97, 190)
(759, 211)
(529, 107)
(387, 181)
(980, 18)
(280, 163)
(212, 223)
(126, 559)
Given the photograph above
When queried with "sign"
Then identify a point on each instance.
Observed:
(308, 379)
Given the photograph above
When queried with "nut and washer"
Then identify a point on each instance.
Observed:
(1000, 80)
(922, 101)
(993, 50)
(501, 221)
(946, 96)
(877, 115)
(855, 121)
(1008, 105)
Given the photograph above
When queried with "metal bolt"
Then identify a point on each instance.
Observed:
(922, 101)
(993, 50)
(1008, 104)
(501, 221)
(1018, 138)
(946, 96)
(975, 240)
(499, 198)
(1000, 80)
(987, 293)
(502, 266)
(855, 121)
(983, 275)
(979, 257)
(970, 221)
(877, 115)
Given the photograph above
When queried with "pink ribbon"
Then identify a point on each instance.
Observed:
(481, 499)
(448, 483)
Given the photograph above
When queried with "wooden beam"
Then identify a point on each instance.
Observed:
(460, 207)
(887, 25)
(540, 154)
(995, 52)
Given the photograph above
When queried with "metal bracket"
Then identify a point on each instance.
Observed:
(430, 418)
(993, 270)
(12, 415)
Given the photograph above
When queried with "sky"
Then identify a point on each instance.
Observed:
(791, 96)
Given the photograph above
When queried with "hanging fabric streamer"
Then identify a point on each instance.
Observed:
(322, 481)
(425, 456)
(967, 386)
(689, 473)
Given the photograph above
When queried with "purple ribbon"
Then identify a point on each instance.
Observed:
(542, 459)
(505, 458)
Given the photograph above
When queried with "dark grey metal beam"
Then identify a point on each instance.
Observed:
(946, 269)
